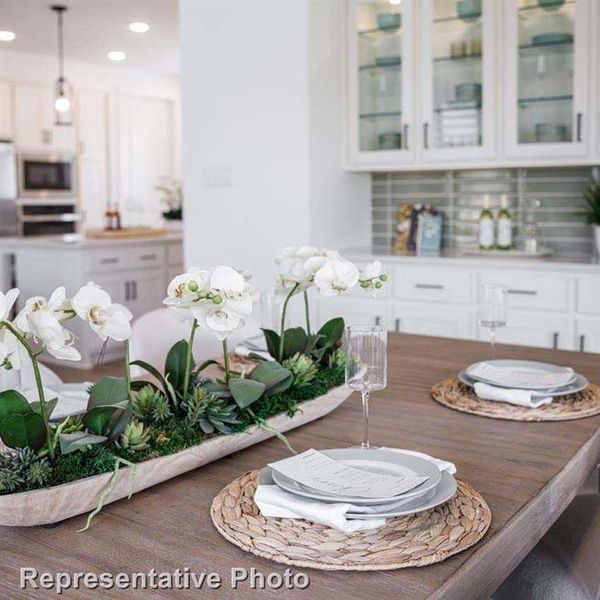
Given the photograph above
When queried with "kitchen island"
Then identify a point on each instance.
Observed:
(134, 271)
(527, 472)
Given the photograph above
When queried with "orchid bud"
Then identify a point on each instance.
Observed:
(193, 286)
(364, 283)
(217, 299)
(383, 277)
(378, 285)
(202, 294)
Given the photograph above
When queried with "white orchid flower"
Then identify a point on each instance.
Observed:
(13, 352)
(107, 319)
(372, 270)
(57, 304)
(46, 329)
(6, 303)
(336, 277)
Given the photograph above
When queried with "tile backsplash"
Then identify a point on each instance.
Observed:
(554, 196)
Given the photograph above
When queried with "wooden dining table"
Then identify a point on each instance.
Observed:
(528, 472)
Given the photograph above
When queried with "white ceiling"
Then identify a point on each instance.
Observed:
(94, 27)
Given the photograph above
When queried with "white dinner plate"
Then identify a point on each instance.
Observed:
(577, 385)
(374, 461)
(520, 365)
(441, 493)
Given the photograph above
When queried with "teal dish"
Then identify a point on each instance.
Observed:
(387, 61)
(468, 9)
(551, 38)
(389, 21)
(551, 4)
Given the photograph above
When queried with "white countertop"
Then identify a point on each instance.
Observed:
(475, 262)
(56, 242)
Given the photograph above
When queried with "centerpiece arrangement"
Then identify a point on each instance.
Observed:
(134, 434)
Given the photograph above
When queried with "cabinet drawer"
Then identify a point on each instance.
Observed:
(175, 254)
(103, 260)
(588, 295)
(438, 321)
(153, 255)
(433, 285)
(531, 290)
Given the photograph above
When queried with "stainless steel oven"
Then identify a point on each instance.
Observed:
(47, 175)
(47, 217)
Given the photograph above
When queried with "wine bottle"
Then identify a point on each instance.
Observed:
(486, 225)
(504, 241)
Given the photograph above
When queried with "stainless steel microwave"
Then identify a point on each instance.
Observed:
(47, 175)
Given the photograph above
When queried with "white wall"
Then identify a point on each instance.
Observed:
(262, 148)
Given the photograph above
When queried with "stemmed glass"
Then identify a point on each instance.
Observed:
(492, 309)
(366, 365)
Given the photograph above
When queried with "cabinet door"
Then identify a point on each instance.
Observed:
(6, 111)
(146, 290)
(434, 320)
(587, 334)
(380, 82)
(93, 192)
(457, 78)
(543, 330)
(354, 311)
(92, 124)
(546, 77)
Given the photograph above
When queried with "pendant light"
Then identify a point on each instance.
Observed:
(63, 90)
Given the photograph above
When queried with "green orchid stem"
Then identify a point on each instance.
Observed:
(127, 368)
(282, 329)
(188, 359)
(38, 383)
(307, 312)
(226, 361)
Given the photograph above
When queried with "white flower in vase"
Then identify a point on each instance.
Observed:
(7, 301)
(183, 292)
(336, 277)
(7, 339)
(107, 319)
(298, 266)
(372, 276)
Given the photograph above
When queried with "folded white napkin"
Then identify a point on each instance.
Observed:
(72, 398)
(517, 397)
(520, 377)
(275, 502)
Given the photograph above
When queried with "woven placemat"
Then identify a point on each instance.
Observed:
(409, 541)
(454, 394)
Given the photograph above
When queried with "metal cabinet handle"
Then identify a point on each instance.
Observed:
(522, 292)
(555, 340)
(134, 286)
(148, 257)
(429, 286)
(405, 137)
(127, 291)
(109, 261)
(425, 135)
(579, 117)
(582, 343)
(377, 321)
(397, 326)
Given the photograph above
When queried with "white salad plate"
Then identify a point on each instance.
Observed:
(577, 385)
(522, 367)
(382, 462)
(441, 493)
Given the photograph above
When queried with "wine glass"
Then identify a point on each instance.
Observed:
(366, 365)
(492, 309)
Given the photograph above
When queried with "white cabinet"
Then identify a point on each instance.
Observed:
(457, 81)
(428, 319)
(34, 121)
(426, 284)
(587, 334)
(6, 111)
(547, 71)
(588, 295)
(356, 311)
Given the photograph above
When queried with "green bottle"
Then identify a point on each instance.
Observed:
(486, 225)
(504, 241)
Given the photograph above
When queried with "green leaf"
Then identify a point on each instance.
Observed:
(50, 404)
(275, 377)
(272, 339)
(246, 391)
(294, 341)
(258, 357)
(12, 402)
(22, 431)
(205, 364)
(69, 442)
(219, 389)
(116, 426)
(152, 370)
(332, 332)
(108, 391)
(97, 418)
(175, 365)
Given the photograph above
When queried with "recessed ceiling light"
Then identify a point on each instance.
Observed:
(7, 36)
(395, 1)
(139, 27)
(117, 55)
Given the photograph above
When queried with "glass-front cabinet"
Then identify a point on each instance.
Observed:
(457, 45)
(380, 92)
(545, 92)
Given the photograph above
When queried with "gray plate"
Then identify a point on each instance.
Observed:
(522, 364)
(580, 383)
(442, 492)
(374, 461)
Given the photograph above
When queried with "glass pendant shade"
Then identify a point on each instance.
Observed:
(63, 102)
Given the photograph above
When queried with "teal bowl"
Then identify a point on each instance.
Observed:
(468, 9)
(389, 21)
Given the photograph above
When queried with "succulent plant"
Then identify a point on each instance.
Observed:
(208, 412)
(337, 359)
(134, 438)
(303, 369)
(39, 472)
(23, 466)
(73, 425)
(151, 406)
(10, 480)
(23, 459)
